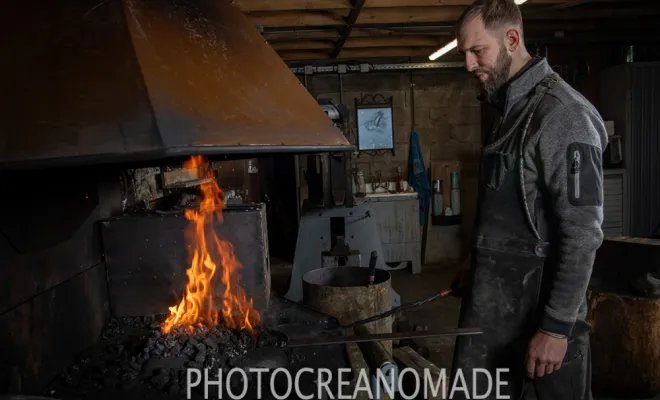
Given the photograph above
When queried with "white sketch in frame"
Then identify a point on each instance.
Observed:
(375, 128)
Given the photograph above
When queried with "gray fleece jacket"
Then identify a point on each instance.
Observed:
(563, 178)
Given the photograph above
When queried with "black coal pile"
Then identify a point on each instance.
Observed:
(134, 360)
(133, 352)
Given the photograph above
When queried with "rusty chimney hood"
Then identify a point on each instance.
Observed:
(107, 81)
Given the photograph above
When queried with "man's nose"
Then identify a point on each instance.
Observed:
(470, 62)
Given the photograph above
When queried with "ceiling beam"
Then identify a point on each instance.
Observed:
(441, 16)
(445, 29)
(291, 5)
(573, 3)
(376, 52)
(346, 32)
(424, 3)
(330, 34)
(393, 15)
(299, 18)
(326, 45)
(393, 41)
(303, 55)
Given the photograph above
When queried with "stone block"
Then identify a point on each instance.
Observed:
(401, 116)
(471, 168)
(454, 150)
(466, 133)
(324, 84)
(402, 134)
(439, 133)
(375, 81)
(455, 115)
(429, 79)
(432, 97)
(465, 97)
(400, 155)
(422, 117)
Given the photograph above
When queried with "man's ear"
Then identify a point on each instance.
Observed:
(512, 39)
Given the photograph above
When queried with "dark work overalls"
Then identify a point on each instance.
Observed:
(506, 291)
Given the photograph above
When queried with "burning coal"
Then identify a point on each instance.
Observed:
(210, 256)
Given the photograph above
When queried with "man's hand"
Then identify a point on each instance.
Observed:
(461, 278)
(545, 354)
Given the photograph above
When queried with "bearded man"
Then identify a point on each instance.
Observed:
(539, 216)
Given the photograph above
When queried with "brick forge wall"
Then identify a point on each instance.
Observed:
(447, 118)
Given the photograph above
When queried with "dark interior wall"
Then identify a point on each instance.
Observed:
(53, 296)
(598, 57)
(442, 108)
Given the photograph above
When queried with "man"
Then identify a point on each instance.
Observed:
(539, 218)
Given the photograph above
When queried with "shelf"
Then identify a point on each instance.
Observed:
(444, 220)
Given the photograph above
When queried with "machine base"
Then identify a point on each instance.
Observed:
(315, 241)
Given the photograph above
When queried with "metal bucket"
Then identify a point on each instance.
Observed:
(344, 293)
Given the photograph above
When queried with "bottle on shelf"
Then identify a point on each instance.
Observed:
(455, 195)
(399, 180)
(438, 205)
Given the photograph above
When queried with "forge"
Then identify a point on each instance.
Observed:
(126, 258)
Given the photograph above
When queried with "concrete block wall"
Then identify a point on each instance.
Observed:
(442, 106)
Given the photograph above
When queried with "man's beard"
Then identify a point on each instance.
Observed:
(497, 76)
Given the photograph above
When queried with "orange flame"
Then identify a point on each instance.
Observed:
(196, 308)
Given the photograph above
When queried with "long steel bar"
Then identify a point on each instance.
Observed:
(320, 341)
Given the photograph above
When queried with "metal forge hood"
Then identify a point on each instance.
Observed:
(96, 81)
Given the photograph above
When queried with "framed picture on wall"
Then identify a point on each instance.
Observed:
(375, 125)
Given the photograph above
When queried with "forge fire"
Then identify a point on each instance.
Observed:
(210, 253)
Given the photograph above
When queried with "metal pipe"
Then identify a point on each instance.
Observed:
(341, 89)
(377, 67)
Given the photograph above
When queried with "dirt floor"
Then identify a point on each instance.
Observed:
(437, 315)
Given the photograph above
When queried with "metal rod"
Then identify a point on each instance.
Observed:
(382, 336)
(402, 307)
(376, 67)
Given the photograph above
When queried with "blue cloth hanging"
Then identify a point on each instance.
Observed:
(417, 176)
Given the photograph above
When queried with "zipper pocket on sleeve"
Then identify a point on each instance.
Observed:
(575, 170)
(584, 175)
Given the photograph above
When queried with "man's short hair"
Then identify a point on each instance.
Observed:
(495, 14)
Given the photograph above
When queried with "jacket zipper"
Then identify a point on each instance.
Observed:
(576, 172)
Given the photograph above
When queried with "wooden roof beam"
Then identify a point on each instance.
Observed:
(291, 5)
(442, 16)
(320, 34)
(346, 32)
(394, 41)
(291, 19)
(435, 3)
(326, 45)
